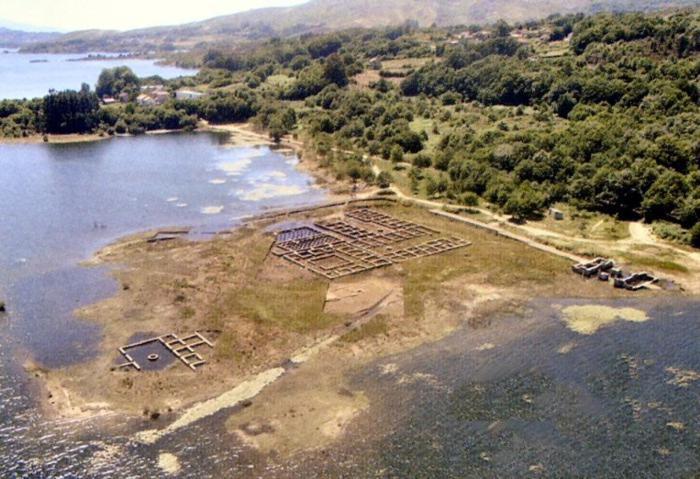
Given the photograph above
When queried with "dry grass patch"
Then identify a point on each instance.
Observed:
(497, 261)
(375, 327)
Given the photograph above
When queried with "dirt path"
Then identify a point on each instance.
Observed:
(437, 208)
(507, 234)
(640, 234)
(597, 225)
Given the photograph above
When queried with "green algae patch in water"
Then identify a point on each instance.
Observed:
(588, 319)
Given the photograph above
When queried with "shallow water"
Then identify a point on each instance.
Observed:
(27, 76)
(59, 204)
(539, 401)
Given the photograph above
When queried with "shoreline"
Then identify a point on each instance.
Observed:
(245, 380)
(151, 276)
(38, 139)
(51, 391)
(54, 139)
(132, 254)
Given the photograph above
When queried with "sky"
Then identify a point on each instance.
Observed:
(69, 15)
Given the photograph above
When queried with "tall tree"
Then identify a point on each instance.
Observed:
(71, 111)
(113, 81)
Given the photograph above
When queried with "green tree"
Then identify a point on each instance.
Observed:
(384, 179)
(396, 154)
(113, 81)
(324, 46)
(664, 196)
(525, 203)
(334, 71)
(71, 111)
(277, 128)
(502, 29)
(695, 236)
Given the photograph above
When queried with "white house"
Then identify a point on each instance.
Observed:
(145, 100)
(185, 94)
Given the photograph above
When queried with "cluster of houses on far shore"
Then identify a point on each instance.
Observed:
(154, 95)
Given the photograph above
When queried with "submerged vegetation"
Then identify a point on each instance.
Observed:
(600, 112)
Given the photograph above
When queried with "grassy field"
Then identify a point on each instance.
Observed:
(657, 262)
(279, 80)
(296, 305)
(515, 265)
(585, 224)
(427, 125)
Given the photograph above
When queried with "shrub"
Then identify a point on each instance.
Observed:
(695, 235)
(470, 199)
(384, 180)
(422, 161)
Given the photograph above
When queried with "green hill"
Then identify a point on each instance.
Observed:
(326, 15)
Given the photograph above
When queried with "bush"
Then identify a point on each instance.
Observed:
(525, 203)
(470, 199)
(695, 236)
(422, 161)
(671, 232)
(450, 98)
(396, 154)
(120, 127)
(384, 180)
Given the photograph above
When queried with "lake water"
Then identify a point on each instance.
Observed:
(29, 76)
(59, 203)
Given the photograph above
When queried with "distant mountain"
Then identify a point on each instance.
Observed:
(327, 15)
(16, 38)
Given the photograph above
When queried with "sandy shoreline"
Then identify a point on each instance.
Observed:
(53, 139)
(242, 133)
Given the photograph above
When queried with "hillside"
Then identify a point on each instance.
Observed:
(325, 15)
(14, 38)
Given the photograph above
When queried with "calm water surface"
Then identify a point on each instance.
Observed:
(59, 203)
(29, 76)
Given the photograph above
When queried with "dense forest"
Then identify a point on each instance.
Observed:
(601, 112)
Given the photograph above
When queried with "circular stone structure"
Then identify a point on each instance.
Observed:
(153, 357)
